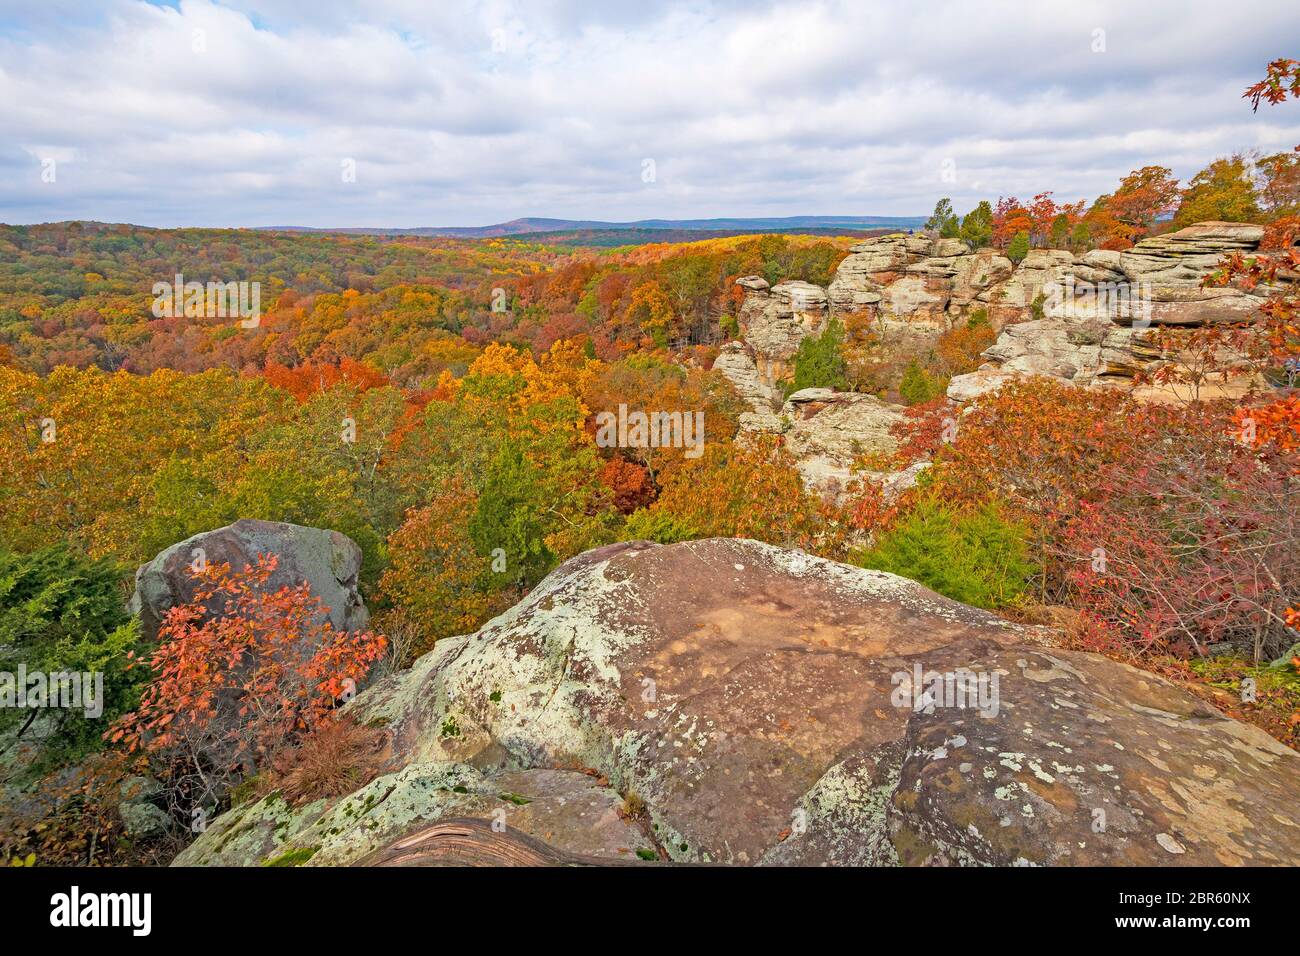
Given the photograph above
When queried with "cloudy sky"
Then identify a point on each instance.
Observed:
(451, 112)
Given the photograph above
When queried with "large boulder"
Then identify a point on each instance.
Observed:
(726, 701)
(328, 561)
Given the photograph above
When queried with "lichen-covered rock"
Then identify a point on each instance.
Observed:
(1095, 764)
(141, 817)
(144, 820)
(328, 561)
(828, 431)
(756, 705)
(573, 812)
(1076, 351)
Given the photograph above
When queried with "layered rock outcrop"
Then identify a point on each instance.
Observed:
(774, 320)
(729, 702)
(913, 281)
(1098, 310)
(826, 431)
(1082, 319)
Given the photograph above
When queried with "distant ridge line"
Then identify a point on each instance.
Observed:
(542, 225)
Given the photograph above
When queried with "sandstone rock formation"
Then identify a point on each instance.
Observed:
(736, 361)
(1098, 309)
(726, 701)
(828, 431)
(326, 560)
(1082, 319)
(773, 321)
(915, 284)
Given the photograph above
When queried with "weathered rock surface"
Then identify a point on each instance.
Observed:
(140, 815)
(736, 361)
(828, 431)
(328, 561)
(1092, 312)
(1097, 310)
(914, 285)
(872, 265)
(570, 812)
(753, 705)
(1168, 271)
(773, 321)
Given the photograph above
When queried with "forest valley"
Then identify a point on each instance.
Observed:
(478, 456)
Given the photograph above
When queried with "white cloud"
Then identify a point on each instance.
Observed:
(465, 113)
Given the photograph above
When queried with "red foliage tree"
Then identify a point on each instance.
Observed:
(241, 673)
(630, 483)
(306, 380)
(1191, 539)
(1009, 218)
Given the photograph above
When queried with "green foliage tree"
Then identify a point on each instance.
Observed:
(977, 226)
(819, 363)
(1019, 248)
(979, 558)
(1059, 236)
(508, 518)
(944, 220)
(645, 524)
(61, 612)
(918, 385)
(1081, 237)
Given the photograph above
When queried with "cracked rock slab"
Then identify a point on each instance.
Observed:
(757, 705)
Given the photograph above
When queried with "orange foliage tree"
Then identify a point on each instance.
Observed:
(241, 674)
(1010, 218)
(307, 379)
(749, 491)
(1143, 196)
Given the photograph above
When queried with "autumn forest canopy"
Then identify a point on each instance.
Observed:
(438, 401)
